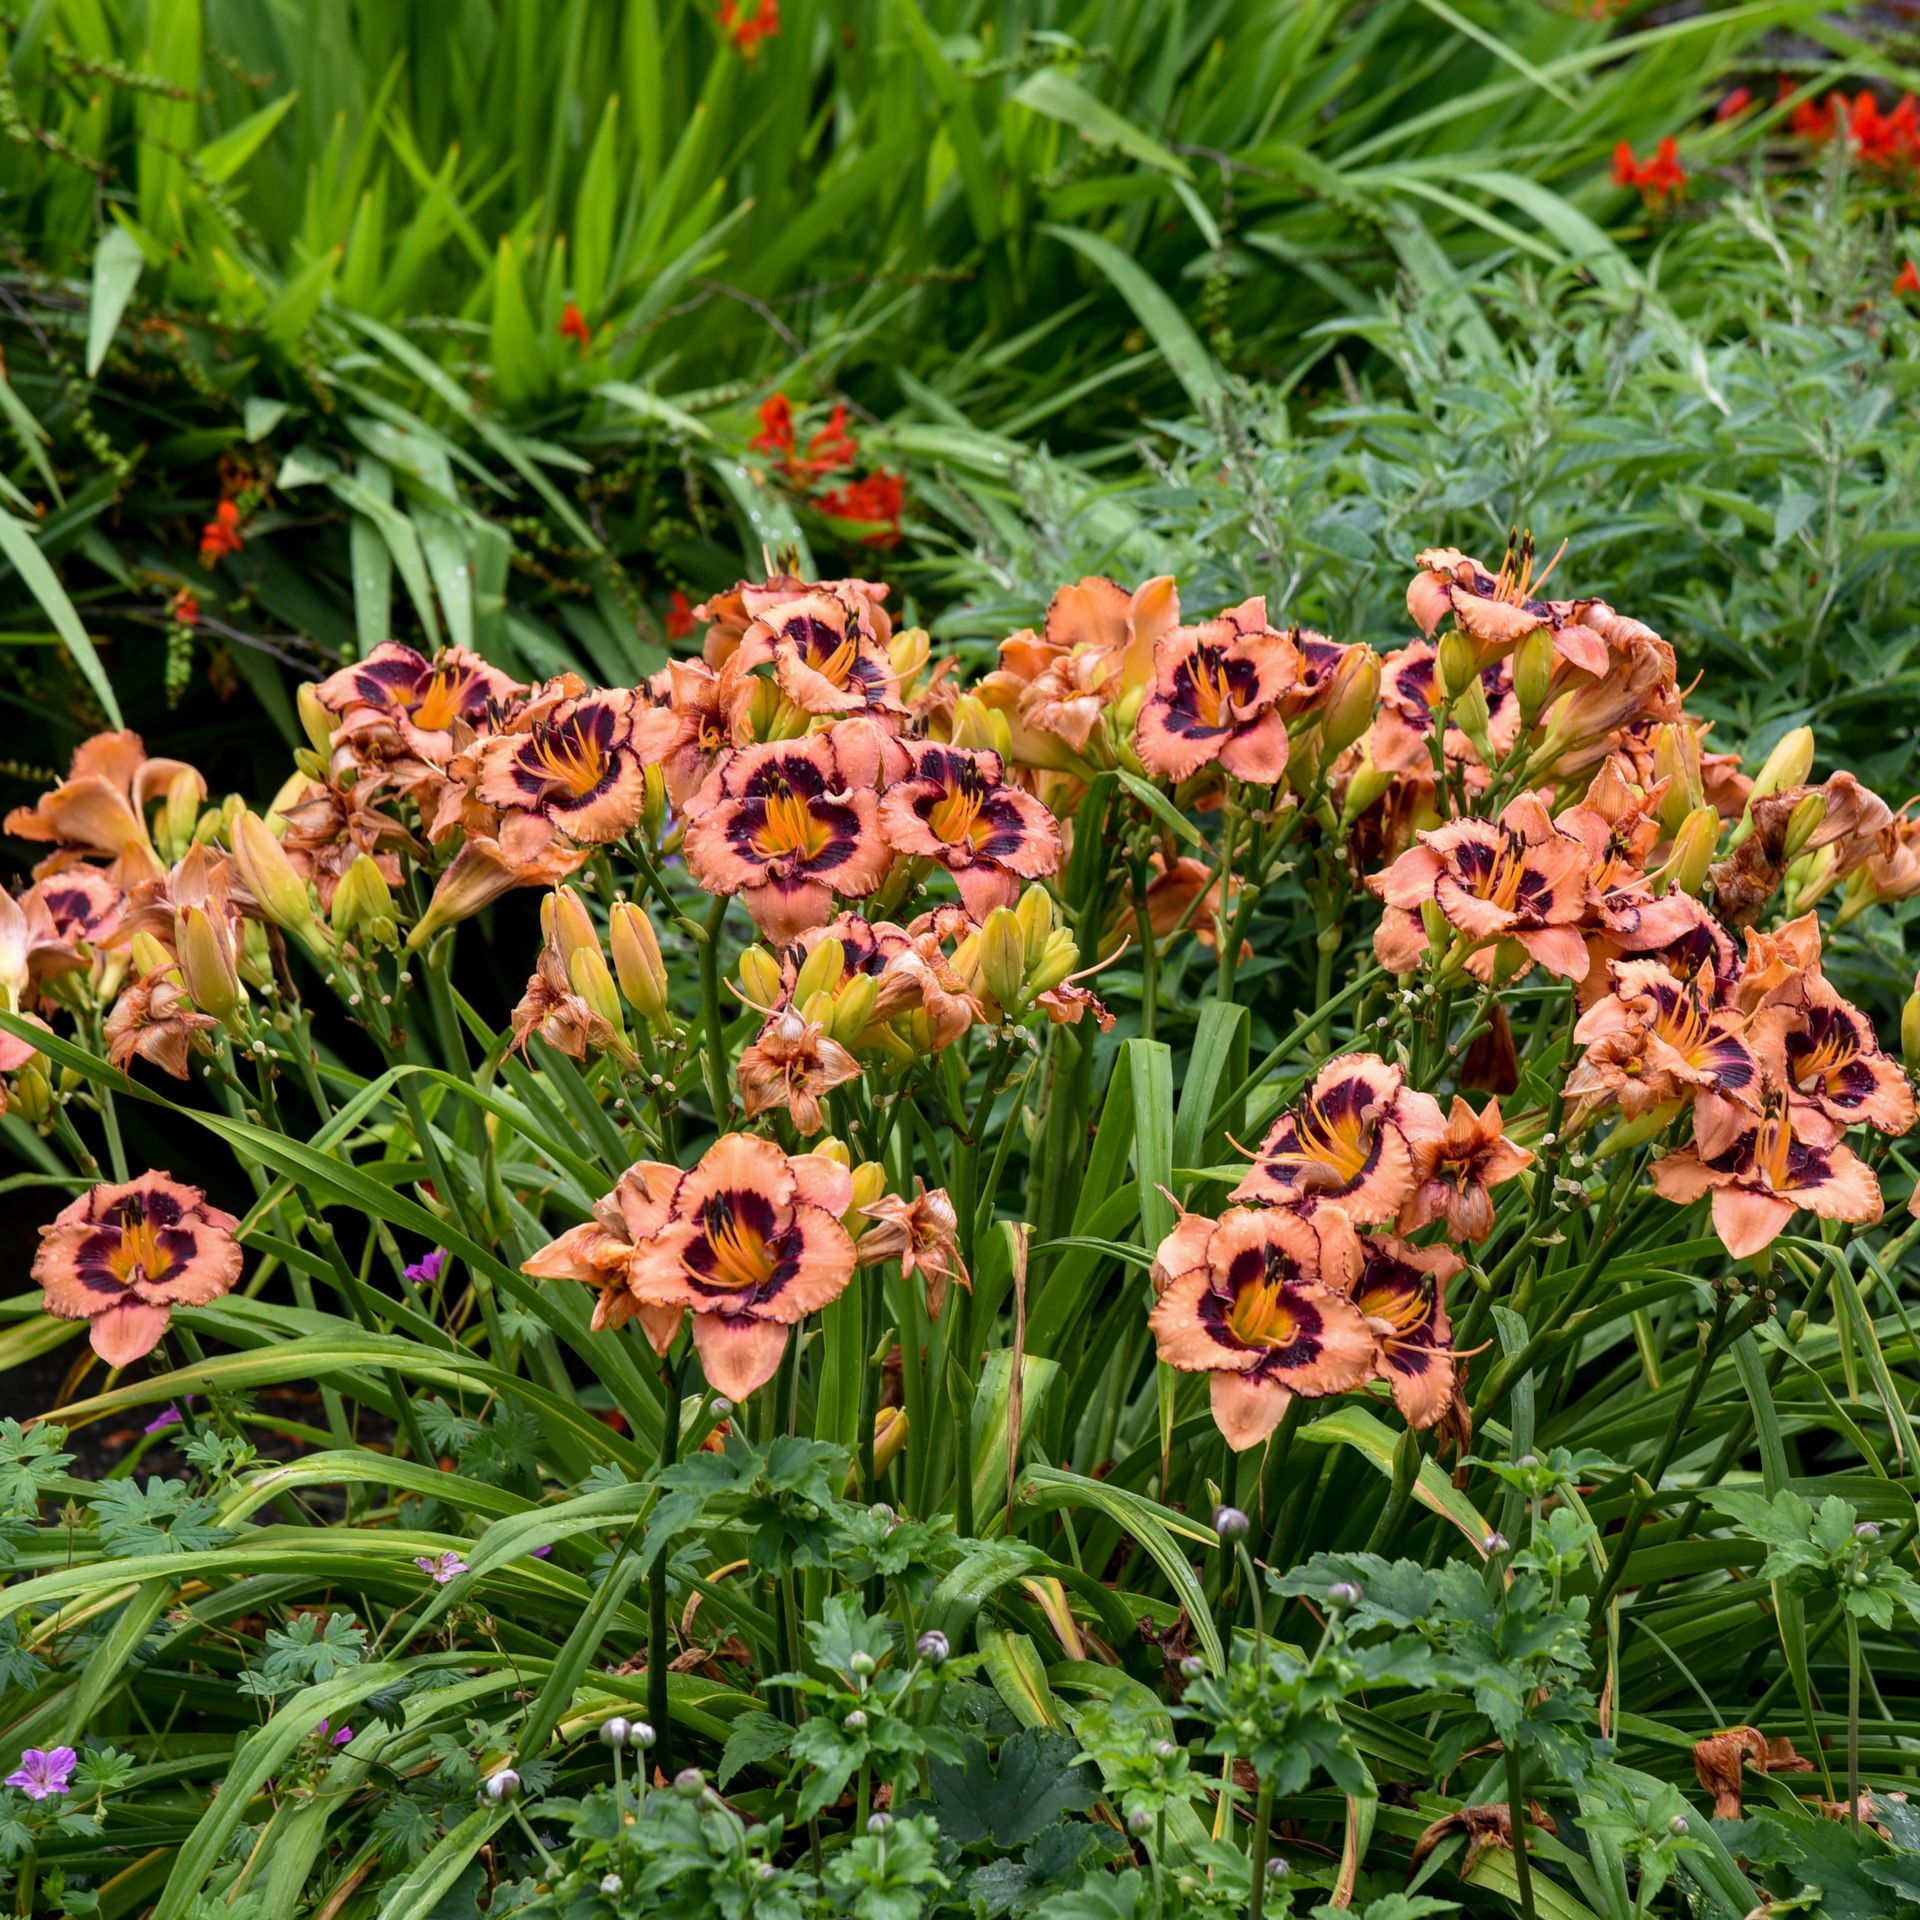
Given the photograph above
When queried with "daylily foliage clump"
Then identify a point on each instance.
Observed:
(842, 1078)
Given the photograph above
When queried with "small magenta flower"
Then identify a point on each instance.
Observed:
(444, 1567)
(168, 1416)
(334, 1736)
(41, 1774)
(425, 1272)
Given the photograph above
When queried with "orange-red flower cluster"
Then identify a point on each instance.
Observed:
(1660, 177)
(747, 22)
(1885, 139)
(221, 535)
(875, 499)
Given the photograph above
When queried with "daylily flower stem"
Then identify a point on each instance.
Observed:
(1149, 953)
(1853, 1723)
(657, 1655)
(712, 1017)
(1517, 1820)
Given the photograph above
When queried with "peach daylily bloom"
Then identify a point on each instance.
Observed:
(752, 1243)
(1216, 699)
(1348, 1141)
(1660, 1036)
(1619, 825)
(565, 767)
(1762, 1168)
(99, 810)
(1401, 737)
(691, 718)
(785, 826)
(1456, 1172)
(423, 703)
(1517, 878)
(122, 1257)
(1258, 1299)
(824, 654)
(1498, 611)
(1121, 629)
(600, 1252)
(1402, 1292)
(957, 809)
(1823, 1050)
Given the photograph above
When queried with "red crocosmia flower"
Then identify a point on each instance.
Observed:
(123, 1257)
(600, 1253)
(1456, 1172)
(1907, 280)
(782, 825)
(747, 22)
(1657, 1037)
(830, 450)
(566, 767)
(680, 620)
(1823, 1050)
(1735, 104)
(396, 690)
(1497, 611)
(184, 609)
(877, 499)
(1812, 120)
(1402, 1293)
(573, 326)
(1349, 1141)
(1660, 177)
(1258, 1299)
(752, 1243)
(1216, 697)
(1880, 139)
(221, 535)
(824, 653)
(1518, 878)
(1762, 1168)
(957, 809)
(776, 426)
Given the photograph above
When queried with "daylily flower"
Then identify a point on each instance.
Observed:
(421, 701)
(43, 1773)
(1823, 1049)
(77, 905)
(824, 652)
(601, 1251)
(1659, 1036)
(1498, 611)
(1216, 697)
(1258, 1299)
(1619, 825)
(1518, 878)
(1456, 1172)
(99, 810)
(792, 1063)
(122, 1257)
(752, 1244)
(1402, 1291)
(956, 808)
(691, 716)
(481, 873)
(728, 615)
(1761, 1168)
(442, 1568)
(923, 1234)
(155, 1019)
(569, 768)
(1411, 697)
(1349, 1141)
(1119, 628)
(783, 825)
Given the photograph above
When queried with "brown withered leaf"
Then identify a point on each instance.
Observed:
(1720, 1760)
(1484, 1827)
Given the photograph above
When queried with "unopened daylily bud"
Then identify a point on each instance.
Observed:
(822, 970)
(30, 1093)
(816, 1008)
(759, 976)
(181, 814)
(908, 651)
(1351, 701)
(853, 1008)
(206, 963)
(1458, 663)
(1533, 673)
(572, 928)
(1471, 716)
(1910, 1032)
(1693, 849)
(588, 974)
(1676, 760)
(363, 904)
(1058, 958)
(969, 725)
(1639, 1130)
(1003, 957)
(889, 1437)
(1034, 911)
(1787, 765)
(315, 721)
(1125, 712)
(637, 964)
(281, 893)
(149, 955)
(1810, 878)
(833, 1149)
(1365, 786)
(653, 807)
(966, 958)
(1434, 922)
(1806, 816)
(869, 1183)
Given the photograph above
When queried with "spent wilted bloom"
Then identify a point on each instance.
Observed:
(1762, 1167)
(1455, 1172)
(1402, 1292)
(1517, 878)
(957, 809)
(923, 1234)
(155, 1019)
(792, 1064)
(784, 825)
(1258, 1299)
(1216, 697)
(422, 704)
(601, 1252)
(442, 1568)
(123, 1256)
(1349, 1140)
(753, 1243)
(44, 1772)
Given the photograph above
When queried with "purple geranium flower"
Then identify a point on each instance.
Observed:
(425, 1272)
(41, 1774)
(443, 1567)
(170, 1415)
(332, 1736)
